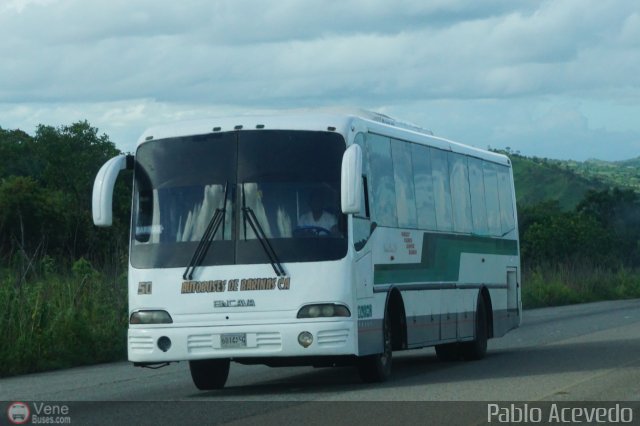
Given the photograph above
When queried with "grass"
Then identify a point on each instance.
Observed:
(555, 285)
(61, 319)
(58, 319)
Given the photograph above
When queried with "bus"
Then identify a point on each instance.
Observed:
(313, 238)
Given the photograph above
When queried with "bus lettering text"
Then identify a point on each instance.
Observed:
(257, 284)
(213, 286)
(365, 311)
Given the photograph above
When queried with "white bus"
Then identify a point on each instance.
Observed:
(313, 239)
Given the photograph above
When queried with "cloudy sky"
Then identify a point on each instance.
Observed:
(558, 79)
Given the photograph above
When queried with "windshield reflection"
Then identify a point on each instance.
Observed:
(290, 180)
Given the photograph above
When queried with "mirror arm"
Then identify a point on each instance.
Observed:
(102, 198)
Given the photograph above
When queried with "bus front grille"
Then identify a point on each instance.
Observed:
(200, 343)
(333, 337)
(271, 340)
(141, 344)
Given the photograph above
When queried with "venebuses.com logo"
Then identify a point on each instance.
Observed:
(18, 413)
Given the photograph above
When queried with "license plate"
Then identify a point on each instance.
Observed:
(234, 340)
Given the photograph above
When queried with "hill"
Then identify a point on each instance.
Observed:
(567, 181)
(624, 174)
(538, 180)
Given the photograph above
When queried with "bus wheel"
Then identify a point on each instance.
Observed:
(377, 368)
(208, 374)
(477, 348)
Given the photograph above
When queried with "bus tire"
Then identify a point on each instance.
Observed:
(477, 348)
(209, 374)
(377, 368)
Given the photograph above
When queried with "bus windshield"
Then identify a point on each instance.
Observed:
(289, 181)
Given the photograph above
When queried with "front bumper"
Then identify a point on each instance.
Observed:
(330, 338)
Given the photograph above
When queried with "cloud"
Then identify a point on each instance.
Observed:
(197, 55)
(266, 51)
(549, 126)
(123, 121)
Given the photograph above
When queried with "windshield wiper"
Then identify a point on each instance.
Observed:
(209, 234)
(250, 216)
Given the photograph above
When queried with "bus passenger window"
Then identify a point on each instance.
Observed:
(382, 182)
(441, 190)
(491, 197)
(423, 184)
(506, 200)
(403, 176)
(460, 197)
(478, 205)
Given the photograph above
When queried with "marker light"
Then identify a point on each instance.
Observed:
(323, 310)
(150, 317)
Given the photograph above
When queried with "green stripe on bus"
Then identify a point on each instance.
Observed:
(441, 258)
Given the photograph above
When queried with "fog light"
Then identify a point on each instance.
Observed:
(305, 339)
(164, 343)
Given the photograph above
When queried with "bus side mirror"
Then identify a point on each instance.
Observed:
(351, 181)
(102, 198)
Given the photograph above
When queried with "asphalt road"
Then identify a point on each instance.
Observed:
(587, 352)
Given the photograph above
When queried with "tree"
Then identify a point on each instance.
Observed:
(568, 237)
(46, 183)
(617, 210)
(15, 153)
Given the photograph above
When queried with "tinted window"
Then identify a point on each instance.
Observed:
(441, 190)
(461, 200)
(423, 184)
(288, 180)
(403, 175)
(382, 191)
(176, 195)
(478, 205)
(506, 200)
(491, 198)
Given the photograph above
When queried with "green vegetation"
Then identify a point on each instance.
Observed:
(539, 180)
(62, 280)
(568, 181)
(563, 284)
(589, 253)
(56, 320)
(63, 287)
(624, 174)
(579, 229)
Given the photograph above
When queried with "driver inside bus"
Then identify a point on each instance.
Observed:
(317, 216)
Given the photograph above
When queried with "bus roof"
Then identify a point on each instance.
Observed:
(340, 120)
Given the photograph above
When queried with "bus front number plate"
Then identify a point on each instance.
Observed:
(233, 340)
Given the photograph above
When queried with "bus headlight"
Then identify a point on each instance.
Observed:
(150, 317)
(323, 310)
